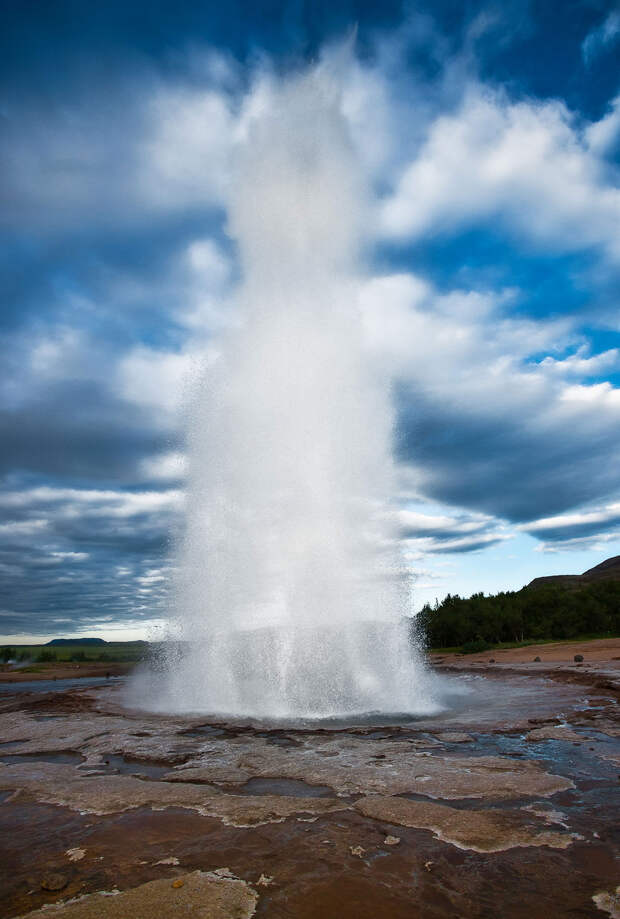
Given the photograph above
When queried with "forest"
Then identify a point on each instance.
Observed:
(548, 612)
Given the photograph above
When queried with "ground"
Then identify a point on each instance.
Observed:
(505, 806)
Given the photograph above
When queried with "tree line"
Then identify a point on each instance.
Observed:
(530, 614)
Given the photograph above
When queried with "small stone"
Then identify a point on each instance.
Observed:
(178, 883)
(223, 873)
(75, 855)
(391, 840)
(53, 881)
(537, 660)
(429, 865)
(491, 660)
(264, 881)
(578, 658)
(608, 902)
(171, 860)
(358, 851)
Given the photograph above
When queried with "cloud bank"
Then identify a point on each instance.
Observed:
(491, 298)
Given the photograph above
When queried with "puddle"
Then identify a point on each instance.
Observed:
(292, 788)
(70, 758)
(57, 685)
(126, 766)
(279, 740)
(204, 730)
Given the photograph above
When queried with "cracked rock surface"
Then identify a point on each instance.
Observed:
(200, 895)
(138, 813)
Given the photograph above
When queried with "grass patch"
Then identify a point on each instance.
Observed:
(507, 645)
(113, 652)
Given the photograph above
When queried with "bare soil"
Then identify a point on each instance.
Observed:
(600, 650)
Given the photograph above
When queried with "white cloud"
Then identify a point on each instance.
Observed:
(486, 426)
(600, 515)
(164, 467)
(77, 501)
(582, 364)
(580, 529)
(440, 533)
(204, 276)
(154, 378)
(447, 340)
(139, 148)
(185, 156)
(524, 163)
(23, 527)
(72, 556)
(602, 136)
(600, 38)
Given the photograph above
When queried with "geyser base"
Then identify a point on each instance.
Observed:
(286, 672)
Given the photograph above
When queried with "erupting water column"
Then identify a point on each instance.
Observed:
(291, 595)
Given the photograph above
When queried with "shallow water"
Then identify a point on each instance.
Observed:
(57, 685)
(471, 701)
(72, 759)
(294, 788)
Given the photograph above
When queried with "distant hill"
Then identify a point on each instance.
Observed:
(77, 641)
(609, 570)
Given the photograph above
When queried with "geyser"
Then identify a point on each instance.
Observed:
(291, 597)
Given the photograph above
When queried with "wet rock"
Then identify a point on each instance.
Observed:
(75, 855)
(551, 817)
(553, 733)
(578, 658)
(198, 894)
(54, 881)
(537, 660)
(58, 784)
(608, 902)
(454, 737)
(355, 768)
(391, 840)
(480, 830)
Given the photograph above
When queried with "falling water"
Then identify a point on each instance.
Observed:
(292, 598)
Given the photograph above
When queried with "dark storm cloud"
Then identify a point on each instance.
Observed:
(589, 524)
(442, 534)
(78, 558)
(466, 544)
(504, 463)
(78, 431)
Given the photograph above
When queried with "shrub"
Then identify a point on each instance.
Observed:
(475, 646)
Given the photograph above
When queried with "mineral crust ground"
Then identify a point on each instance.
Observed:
(497, 808)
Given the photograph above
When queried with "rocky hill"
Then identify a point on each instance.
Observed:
(609, 570)
(77, 641)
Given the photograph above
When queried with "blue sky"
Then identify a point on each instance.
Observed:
(490, 137)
